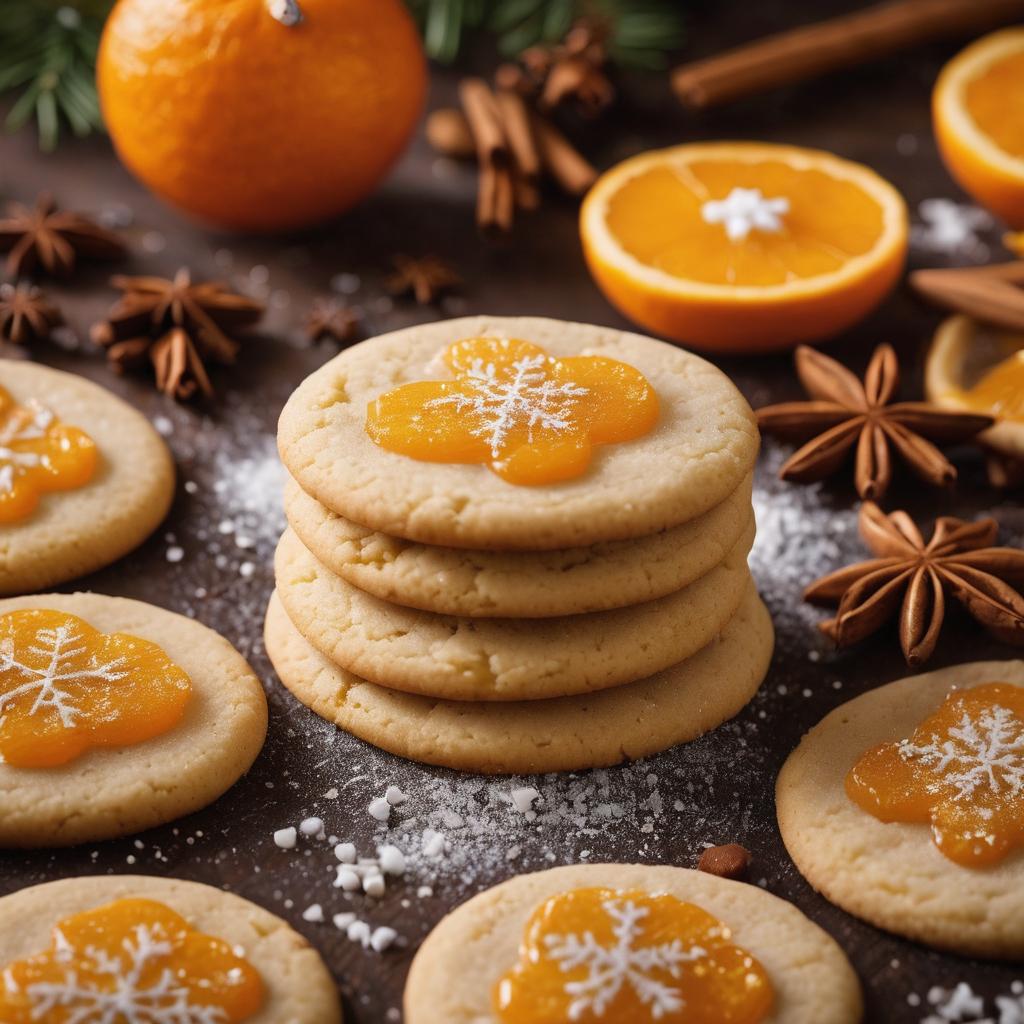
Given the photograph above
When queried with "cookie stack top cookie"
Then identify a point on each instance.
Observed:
(498, 521)
(698, 452)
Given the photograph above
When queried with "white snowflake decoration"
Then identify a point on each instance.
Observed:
(744, 210)
(610, 968)
(122, 998)
(984, 752)
(529, 398)
(56, 648)
(19, 428)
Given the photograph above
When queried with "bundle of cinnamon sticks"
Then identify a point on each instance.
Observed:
(993, 294)
(514, 145)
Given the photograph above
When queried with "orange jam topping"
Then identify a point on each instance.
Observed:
(629, 957)
(533, 418)
(962, 771)
(65, 688)
(133, 961)
(38, 453)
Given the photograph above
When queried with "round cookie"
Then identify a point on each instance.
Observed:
(812, 978)
(892, 875)
(299, 988)
(502, 584)
(76, 532)
(116, 791)
(562, 734)
(701, 449)
(502, 659)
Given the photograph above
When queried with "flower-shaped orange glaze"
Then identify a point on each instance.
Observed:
(532, 418)
(65, 688)
(38, 453)
(629, 957)
(962, 772)
(134, 961)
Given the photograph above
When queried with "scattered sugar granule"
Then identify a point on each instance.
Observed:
(175, 553)
(394, 796)
(424, 892)
(451, 818)
(348, 880)
(960, 1004)
(523, 798)
(312, 827)
(346, 853)
(382, 938)
(286, 838)
(359, 931)
(380, 809)
(331, 794)
(374, 884)
(342, 921)
(314, 913)
(433, 843)
(391, 860)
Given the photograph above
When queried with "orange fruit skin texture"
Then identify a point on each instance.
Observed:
(765, 326)
(595, 401)
(993, 99)
(203, 966)
(253, 125)
(975, 830)
(725, 985)
(118, 690)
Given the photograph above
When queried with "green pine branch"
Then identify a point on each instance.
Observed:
(48, 61)
(48, 49)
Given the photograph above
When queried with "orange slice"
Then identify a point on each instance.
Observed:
(976, 107)
(976, 368)
(743, 246)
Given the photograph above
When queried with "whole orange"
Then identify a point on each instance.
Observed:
(252, 120)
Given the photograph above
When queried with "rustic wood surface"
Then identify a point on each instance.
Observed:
(226, 517)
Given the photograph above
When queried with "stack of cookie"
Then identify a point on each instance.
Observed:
(518, 545)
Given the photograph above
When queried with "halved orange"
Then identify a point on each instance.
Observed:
(976, 368)
(977, 108)
(743, 246)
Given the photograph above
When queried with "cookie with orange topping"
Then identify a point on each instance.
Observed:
(905, 806)
(133, 949)
(629, 944)
(116, 716)
(84, 478)
(517, 433)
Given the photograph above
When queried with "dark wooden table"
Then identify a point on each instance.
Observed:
(226, 519)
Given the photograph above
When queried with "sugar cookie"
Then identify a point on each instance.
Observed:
(116, 788)
(893, 874)
(562, 734)
(502, 659)
(807, 976)
(73, 532)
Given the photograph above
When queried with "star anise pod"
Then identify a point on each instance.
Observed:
(845, 414)
(331, 320)
(427, 278)
(572, 70)
(26, 314)
(912, 578)
(46, 236)
(175, 325)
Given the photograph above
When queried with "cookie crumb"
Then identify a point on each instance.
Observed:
(729, 861)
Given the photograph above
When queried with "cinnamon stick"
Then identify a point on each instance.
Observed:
(481, 111)
(832, 45)
(990, 294)
(515, 119)
(565, 163)
(495, 200)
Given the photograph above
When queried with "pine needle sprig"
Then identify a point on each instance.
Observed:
(641, 33)
(48, 57)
